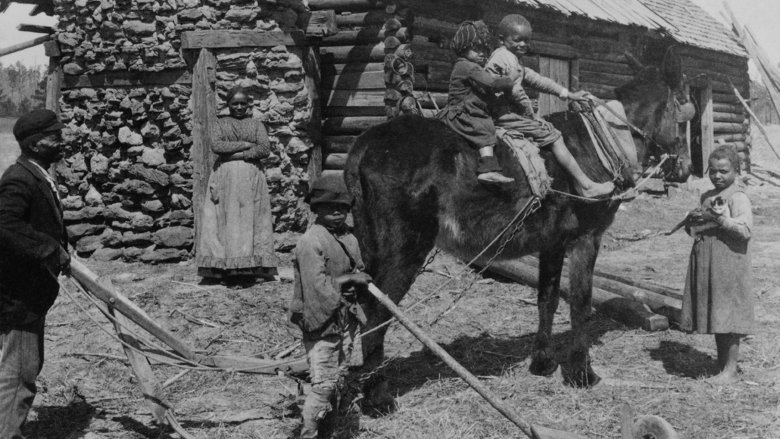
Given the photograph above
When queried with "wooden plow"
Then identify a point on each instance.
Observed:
(121, 311)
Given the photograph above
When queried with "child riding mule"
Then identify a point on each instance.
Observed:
(415, 187)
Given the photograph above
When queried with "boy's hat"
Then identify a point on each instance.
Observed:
(329, 188)
(35, 122)
(471, 34)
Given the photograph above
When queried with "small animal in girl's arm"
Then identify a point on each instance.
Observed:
(698, 220)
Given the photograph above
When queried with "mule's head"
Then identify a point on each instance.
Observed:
(655, 102)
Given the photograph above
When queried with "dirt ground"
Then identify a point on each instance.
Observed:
(87, 390)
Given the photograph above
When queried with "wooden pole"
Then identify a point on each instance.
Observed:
(89, 280)
(26, 45)
(760, 126)
(468, 377)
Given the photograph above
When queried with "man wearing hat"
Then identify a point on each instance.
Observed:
(326, 301)
(33, 252)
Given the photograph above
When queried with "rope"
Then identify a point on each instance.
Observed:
(531, 206)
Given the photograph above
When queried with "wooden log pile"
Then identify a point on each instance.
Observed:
(635, 303)
(126, 182)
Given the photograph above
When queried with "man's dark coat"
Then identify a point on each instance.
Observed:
(32, 235)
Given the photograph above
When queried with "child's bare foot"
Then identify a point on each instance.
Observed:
(725, 377)
(494, 177)
(596, 190)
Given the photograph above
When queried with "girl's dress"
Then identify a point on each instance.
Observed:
(718, 297)
(471, 92)
(236, 235)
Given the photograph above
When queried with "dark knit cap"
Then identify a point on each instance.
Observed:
(471, 34)
(329, 188)
(36, 122)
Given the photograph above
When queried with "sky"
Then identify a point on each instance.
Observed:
(761, 16)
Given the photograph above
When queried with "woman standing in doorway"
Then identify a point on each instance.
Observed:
(236, 243)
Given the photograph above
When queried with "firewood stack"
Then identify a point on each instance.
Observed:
(126, 182)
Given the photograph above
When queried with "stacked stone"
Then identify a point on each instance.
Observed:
(144, 35)
(126, 181)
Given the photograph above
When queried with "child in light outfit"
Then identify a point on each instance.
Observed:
(471, 93)
(515, 111)
(328, 279)
(718, 298)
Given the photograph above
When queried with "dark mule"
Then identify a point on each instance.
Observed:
(415, 187)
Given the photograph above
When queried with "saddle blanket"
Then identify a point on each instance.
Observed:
(611, 137)
(526, 153)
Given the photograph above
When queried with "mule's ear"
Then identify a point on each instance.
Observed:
(672, 69)
(634, 63)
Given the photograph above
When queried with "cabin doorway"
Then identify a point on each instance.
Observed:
(558, 70)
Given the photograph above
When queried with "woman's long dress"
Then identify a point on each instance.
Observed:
(236, 235)
(718, 297)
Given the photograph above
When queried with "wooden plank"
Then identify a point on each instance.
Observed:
(350, 54)
(150, 386)
(707, 122)
(313, 81)
(330, 69)
(51, 48)
(355, 98)
(321, 24)
(54, 86)
(121, 79)
(25, 45)
(614, 80)
(728, 127)
(351, 125)
(361, 81)
(339, 144)
(88, 280)
(711, 56)
(36, 28)
(335, 161)
(727, 138)
(223, 39)
(354, 111)
(203, 105)
(557, 50)
(343, 5)
(597, 66)
(728, 117)
(720, 107)
(370, 35)
(370, 18)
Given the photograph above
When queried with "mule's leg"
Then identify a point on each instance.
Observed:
(395, 247)
(582, 260)
(550, 265)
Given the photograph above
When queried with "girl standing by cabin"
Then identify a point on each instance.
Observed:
(236, 237)
(718, 298)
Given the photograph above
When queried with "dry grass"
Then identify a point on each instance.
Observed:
(490, 332)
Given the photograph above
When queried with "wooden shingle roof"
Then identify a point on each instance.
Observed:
(681, 20)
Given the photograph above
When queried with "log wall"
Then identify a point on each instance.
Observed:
(596, 52)
(128, 102)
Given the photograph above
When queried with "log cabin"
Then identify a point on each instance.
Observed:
(140, 82)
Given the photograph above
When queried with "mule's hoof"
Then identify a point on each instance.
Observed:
(377, 400)
(543, 367)
(580, 378)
